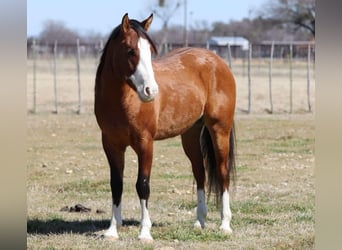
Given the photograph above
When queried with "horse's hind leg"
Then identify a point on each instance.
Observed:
(192, 148)
(115, 156)
(222, 144)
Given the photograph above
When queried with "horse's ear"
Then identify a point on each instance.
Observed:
(125, 25)
(147, 22)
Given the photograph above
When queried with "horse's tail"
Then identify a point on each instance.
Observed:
(208, 152)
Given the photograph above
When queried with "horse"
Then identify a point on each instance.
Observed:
(138, 99)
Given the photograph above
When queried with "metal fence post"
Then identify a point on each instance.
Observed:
(78, 77)
(55, 75)
(249, 78)
(229, 55)
(34, 55)
(291, 78)
(270, 78)
(308, 77)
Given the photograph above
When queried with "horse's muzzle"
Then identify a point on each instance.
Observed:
(148, 93)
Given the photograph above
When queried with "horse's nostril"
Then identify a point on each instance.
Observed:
(147, 90)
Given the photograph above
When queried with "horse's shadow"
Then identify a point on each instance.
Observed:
(60, 226)
(88, 227)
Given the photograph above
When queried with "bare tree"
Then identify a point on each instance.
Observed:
(56, 30)
(200, 32)
(165, 10)
(300, 13)
(255, 30)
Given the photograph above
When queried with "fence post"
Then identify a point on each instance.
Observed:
(270, 78)
(308, 76)
(34, 55)
(78, 77)
(100, 48)
(55, 75)
(245, 55)
(291, 77)
(249, 77)
(229, 55)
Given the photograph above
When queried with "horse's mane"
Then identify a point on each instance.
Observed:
(115, 33)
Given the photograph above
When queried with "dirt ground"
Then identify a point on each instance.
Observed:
(273, 199)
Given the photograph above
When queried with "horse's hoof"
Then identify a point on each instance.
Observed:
(198, 225)
(111, 238)
(226, 230)
(146, 240)
(111, 235)
(145, 235)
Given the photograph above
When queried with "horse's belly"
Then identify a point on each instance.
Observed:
(172, 123)
(173, 130)
(180, 105)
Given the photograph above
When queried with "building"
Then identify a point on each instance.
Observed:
(238, 45)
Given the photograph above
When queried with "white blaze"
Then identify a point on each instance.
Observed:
(143, 78)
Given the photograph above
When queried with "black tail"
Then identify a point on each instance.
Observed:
(208, 152)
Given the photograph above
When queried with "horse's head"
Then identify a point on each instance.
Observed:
(134, 51)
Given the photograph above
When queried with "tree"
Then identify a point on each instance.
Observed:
(56, 30)
(165, 11)
(299, 13)
(255, 30)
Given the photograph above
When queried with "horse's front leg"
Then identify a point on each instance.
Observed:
(144, 150)
(115, 154)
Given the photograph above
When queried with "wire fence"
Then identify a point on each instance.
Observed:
(272, 77)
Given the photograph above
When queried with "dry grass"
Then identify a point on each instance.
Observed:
(272, 203)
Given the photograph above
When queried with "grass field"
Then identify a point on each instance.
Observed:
(273, 200)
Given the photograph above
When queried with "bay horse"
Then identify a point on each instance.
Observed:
(189, 92)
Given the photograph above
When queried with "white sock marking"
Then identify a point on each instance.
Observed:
(146, 223)
(226, 214)
(116, 222)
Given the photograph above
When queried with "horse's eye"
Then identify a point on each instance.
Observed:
(131, 52)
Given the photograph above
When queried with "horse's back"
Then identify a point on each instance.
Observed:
(189, 57)
(195, 63)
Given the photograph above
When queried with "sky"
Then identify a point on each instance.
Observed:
(104, 15)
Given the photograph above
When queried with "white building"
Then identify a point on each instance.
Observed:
(231, 40)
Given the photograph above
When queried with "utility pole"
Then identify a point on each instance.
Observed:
(185, 23)
(165, 12)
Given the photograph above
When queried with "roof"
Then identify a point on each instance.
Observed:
(231, 40)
